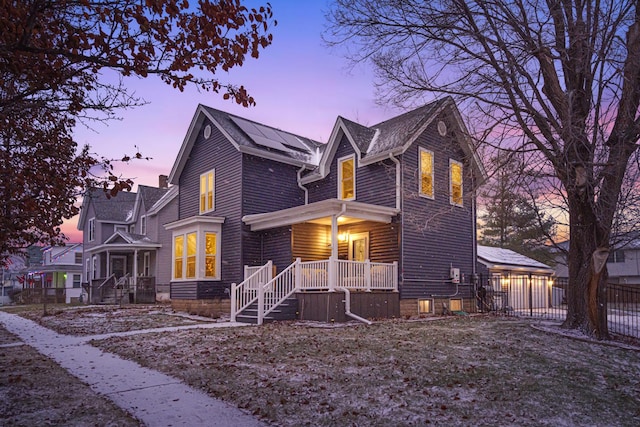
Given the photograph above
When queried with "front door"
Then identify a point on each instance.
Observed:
(118, 265)
(359, 247)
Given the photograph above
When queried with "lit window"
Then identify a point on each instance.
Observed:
(92, 229)
(346, 178)
(196, 254)
(455, 182)
(425, 306)
(426, 173)
(210, 255)
(178, 253)
(207, 182)
(191, 255)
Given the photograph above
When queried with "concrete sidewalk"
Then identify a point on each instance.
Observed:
(154, 398)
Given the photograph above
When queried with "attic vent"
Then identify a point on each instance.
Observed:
(207, 131)
(442, 128)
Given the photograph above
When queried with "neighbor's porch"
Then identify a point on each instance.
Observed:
(122, 271)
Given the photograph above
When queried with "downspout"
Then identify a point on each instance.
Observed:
(347, 307)
(399, 208)
(475, 228)
(306, 191)
(398, 176)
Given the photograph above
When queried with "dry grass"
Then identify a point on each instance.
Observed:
(449, 371)
(457, 371)
(95, 320)
(34, 391)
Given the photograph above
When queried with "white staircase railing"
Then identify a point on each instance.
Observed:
(332, 274)
(278, 289)
(246, 293)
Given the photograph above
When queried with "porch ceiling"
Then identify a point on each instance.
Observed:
(321, 212)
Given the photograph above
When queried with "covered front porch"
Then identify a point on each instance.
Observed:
(122, 269)
(337, 246)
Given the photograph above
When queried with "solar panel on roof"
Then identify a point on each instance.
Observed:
(265, 136)
(294, 142)
(248, 127)
(266, 142)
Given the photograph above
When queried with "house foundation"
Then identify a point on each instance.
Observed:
(213, 308)
(330, 306)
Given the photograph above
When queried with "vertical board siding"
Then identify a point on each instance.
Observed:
(217, 153)
(375, 183)
(435, 234)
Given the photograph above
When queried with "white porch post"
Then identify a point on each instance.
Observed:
(367, 274)
(334, 236)
(135, 276)
(233, 297)
(108, 267)
(332, 274)
(260, 303)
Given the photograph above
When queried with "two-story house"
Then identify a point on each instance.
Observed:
(623, 264)
(60, 272)
(265, 215)
(123, 241)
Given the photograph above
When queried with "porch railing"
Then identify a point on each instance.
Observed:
(246, 293)
(307, 276)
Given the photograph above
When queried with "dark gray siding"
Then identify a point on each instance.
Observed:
(163, 264)
(435, 234)
(375, 183)
(214, 153)
(277, 247)
(267, 186)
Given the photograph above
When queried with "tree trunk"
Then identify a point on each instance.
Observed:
(586, 291)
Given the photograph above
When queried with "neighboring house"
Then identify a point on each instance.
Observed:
(123, 241)
(13, 271)
(60, 272)
(379, 208)
(623, 263)
(518, 281)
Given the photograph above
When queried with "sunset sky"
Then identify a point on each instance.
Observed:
(299, 85)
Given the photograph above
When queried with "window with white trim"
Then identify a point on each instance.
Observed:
(143, 225)
(196, 254)
(207, 191)
(347, 178)
(92, 229)
(76, 280)
(455, 182)
(426, 173)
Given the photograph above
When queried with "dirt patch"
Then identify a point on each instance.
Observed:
(34, 391)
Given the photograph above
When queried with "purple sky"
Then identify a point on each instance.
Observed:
(299, 85)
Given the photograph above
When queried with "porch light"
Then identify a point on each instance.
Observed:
(550, 282)
(343, 237)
